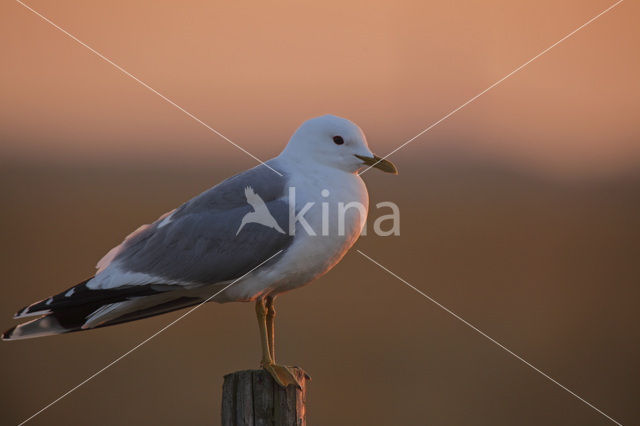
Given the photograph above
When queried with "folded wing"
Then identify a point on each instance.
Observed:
(163, 266)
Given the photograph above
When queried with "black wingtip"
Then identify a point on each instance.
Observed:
(7, 334)
(20, 312)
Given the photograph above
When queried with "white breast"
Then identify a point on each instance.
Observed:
(310, 256)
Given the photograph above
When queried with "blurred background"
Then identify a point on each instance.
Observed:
(521, 212)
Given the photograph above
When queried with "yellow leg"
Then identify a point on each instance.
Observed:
(271, 314)
(262, 325)
(283, 375)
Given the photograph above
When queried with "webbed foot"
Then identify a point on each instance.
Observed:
(283, 375)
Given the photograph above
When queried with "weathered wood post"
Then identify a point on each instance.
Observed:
(253, 398)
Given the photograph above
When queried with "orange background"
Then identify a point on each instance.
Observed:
(256, 70)
(521, 213)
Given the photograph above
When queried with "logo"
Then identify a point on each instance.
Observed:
(333, 218)
(260, 213)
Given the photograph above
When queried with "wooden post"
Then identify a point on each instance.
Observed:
(253, 398)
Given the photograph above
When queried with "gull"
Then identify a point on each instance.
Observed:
(197, 251)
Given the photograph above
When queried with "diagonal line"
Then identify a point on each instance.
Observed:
(494, 85)
(127, 73)
(482, 333)
(144, 341)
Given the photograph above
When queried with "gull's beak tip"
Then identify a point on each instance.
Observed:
(395, 169)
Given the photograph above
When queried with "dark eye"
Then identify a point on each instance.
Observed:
(338, 140)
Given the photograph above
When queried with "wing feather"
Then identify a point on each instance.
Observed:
(199, 244)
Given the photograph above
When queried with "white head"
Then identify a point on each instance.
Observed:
(335, 142)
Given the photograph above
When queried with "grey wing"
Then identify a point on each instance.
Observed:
(197, 243)
(147, 274)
